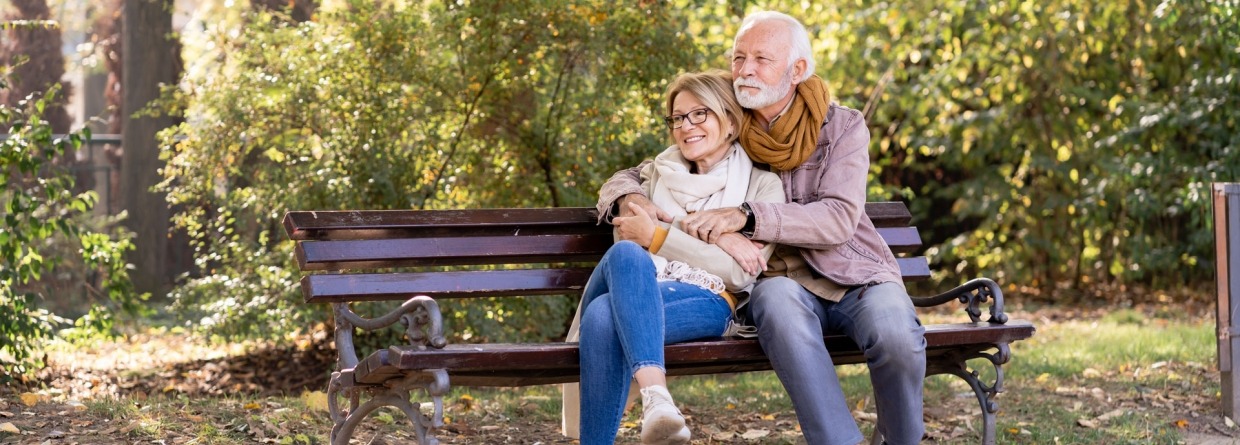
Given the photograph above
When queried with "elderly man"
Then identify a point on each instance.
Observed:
(831, 271)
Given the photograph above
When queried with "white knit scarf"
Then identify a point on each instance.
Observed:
(679, 192)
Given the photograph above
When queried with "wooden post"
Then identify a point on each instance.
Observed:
(1227, 252)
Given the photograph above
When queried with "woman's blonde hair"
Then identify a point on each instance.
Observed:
(714, 89)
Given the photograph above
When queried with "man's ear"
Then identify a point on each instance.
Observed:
(798, 70)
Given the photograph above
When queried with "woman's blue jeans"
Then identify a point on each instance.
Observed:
(627, 318)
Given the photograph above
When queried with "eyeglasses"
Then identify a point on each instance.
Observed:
(695, 117)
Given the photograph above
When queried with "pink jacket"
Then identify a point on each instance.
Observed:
(825, 213)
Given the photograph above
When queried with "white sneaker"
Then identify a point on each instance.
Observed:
(662, 423)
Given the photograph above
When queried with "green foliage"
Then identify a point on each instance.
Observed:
(1077, 139)
(29, 24)
(1053, 145)
(40, 216)
(458, 105)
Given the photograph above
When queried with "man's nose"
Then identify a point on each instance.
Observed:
(743, 69)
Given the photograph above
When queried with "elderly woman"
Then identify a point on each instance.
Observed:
(658, 285)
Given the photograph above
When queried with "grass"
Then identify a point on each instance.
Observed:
(1123, 377)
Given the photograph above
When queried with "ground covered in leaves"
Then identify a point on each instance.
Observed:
(162, 387)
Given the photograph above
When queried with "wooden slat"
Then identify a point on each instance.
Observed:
(942, 356)
(389, 224)
(914, 268)
(330, 288)
(367, 254)
(888, 213)
(510, 364)
(901, 239)
(379, 224)
(385, 253)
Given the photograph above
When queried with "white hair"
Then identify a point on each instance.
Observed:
(799, 48)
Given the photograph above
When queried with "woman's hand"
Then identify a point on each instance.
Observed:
(747, 252)
(645, 203)
(638, 228)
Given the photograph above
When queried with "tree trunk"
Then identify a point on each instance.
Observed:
(45, 66)
(151, 59)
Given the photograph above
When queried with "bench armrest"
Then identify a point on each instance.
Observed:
(420, 315)
(972, 294)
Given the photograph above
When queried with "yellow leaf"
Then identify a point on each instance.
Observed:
(30, 399)
(252, 406)
(1014, 430)
(8, 427)
(768, 417)
(729, 406)
(1181, 424)
(315, 400)
(1043, 378)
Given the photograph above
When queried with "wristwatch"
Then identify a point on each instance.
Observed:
(750, 221)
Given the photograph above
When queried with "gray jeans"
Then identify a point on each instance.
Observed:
(881, 320)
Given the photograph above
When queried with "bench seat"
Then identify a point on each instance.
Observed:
(547, 363)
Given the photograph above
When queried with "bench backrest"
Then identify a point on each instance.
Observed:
(545, 251)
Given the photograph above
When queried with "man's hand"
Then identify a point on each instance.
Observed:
(747, 252)
(638, 228)
(652, 211)
(709, 225)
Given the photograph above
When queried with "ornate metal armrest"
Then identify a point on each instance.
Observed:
(420, 315)
(972, 294)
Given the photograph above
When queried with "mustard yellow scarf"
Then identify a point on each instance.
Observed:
(795, 134)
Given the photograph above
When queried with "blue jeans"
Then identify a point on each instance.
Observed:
(627, 318)
(881, 320)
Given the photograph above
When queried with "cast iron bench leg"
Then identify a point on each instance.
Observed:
(397, 394)
(957, 364)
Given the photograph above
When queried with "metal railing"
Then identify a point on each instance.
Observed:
(90, 161)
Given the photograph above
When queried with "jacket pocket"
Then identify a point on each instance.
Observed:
(855, 250)
(801, 185)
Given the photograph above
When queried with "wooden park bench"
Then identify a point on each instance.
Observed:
(352, 256)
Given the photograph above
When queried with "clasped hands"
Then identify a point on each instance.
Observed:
(720, 227)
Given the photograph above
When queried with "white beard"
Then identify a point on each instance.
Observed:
(766, 96)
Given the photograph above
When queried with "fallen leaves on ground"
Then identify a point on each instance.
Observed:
(159, 369)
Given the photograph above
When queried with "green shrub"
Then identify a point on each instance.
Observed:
(46, 230)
